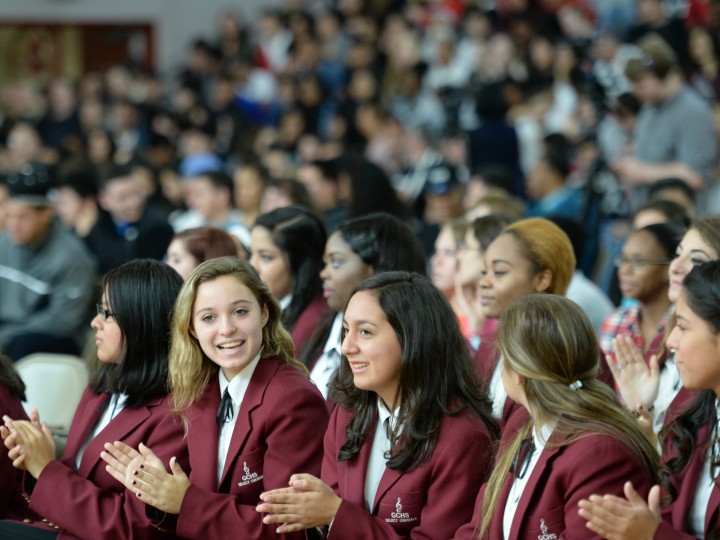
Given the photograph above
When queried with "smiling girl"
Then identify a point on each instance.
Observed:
(252, 416)
(411, 439)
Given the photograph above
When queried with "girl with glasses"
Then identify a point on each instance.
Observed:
(685, 504)
(126, 401)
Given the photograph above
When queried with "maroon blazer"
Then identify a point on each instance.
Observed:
(430, 501)
(279, 432)
(674, 516)
(89, 503)
(10, 477)
(548, 507)
(307, 322)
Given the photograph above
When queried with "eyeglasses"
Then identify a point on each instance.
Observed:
(639, 264)
(104, 313)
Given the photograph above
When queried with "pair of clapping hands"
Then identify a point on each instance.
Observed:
(307, 503)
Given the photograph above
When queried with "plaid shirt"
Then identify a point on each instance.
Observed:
(626, 322)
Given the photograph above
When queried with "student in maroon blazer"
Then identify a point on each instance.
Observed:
(687, 503)
(286, 246)
(528, 256)
(228, 341)
(577, 438)
(411, 440)
(12, 393)
(126, 401)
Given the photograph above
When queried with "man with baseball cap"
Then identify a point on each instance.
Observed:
(46, 274)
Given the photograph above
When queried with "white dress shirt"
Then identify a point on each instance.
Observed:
(498, 394)
(519, 484)
(380, 448)
(236, 388)
(325, 367)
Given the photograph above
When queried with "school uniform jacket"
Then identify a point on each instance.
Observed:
(10, 477)
(89, 503)
(548, 507)
(279, 432)
(431, 501)
(674, 516)
(308, 321)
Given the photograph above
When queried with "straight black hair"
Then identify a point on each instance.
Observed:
(301, 235)
(141, 295)
(11, 379)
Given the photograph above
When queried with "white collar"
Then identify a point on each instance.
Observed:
(384, 414)
(285, 301)
(334, 338)
(239, 383)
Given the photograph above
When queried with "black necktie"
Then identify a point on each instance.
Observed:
(225, 410)
(523, 457)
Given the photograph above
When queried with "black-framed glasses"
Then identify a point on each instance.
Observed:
(639, 264)
(104, 313)
(522, 459)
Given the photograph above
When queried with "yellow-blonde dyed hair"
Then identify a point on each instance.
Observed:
(549, 341)
(190, 369)
(548, 248)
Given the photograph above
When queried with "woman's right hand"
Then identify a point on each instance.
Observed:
(637, 381)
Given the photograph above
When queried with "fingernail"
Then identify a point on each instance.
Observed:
(133, 483)
(135, 473)
(142, 465)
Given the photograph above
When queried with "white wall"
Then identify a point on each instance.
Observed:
(176, 22)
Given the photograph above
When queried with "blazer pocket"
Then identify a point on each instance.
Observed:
(401, 509)
(545, 525)
(247, 475)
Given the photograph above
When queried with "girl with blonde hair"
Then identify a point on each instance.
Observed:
(578, 438)
(252, 416)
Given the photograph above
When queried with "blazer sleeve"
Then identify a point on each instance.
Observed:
(665, 531)
(86, 510)
(457, 472)
(10, 477)
(295, 425)
(601, 465)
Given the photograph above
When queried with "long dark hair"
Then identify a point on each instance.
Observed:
(11, 379)
(140, 295)
(385, 243)
(437, 377)
(301, 235)
(701, 291)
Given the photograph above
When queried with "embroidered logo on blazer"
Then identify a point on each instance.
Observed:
(545, 535)
(249, 477)
(398, 516)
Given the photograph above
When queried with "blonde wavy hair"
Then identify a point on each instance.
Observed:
(549, 341)
(189, 367)
(548, 247)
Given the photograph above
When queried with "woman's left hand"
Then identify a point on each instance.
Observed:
(307, 503)
(34, 448)
(153, 485)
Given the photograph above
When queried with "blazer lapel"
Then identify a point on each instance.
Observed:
(254, 394)
(532, 485)
(388, 480)
(201, 435)
(354, 472)
(711, 517)
(126, 421)
(85, 419)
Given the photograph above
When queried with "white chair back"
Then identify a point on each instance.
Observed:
(55, 383)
